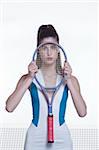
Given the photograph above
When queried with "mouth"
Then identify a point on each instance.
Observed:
(49, 58)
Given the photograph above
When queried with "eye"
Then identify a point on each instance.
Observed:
(44, 48)
(54, 47)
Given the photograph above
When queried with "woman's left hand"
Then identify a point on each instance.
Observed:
(67, 70)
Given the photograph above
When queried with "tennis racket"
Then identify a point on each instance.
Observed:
(44, 90)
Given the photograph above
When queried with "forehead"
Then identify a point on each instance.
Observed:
(49, 39)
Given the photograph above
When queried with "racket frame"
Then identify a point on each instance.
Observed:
(44, 91)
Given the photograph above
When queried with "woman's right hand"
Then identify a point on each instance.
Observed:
(32, 69)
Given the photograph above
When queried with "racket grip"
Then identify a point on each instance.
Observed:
(50, 129)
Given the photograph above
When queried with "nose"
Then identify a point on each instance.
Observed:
(49, 51)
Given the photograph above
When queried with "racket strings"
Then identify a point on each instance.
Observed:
(59, 69)
(49, 98)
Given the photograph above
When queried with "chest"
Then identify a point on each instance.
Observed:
(50, 81)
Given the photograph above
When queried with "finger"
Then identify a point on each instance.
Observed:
(32, 68)
(67, 72)
(33, 62)
(33, 65)
(66, 64)
(68, 69)
(35, 70)
(65, 61)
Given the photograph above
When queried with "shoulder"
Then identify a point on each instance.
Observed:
(74, 79)
(23, 77)
(75, 82)
(21, 80)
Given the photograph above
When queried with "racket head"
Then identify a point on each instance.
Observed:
(60, 48)
(56, 44)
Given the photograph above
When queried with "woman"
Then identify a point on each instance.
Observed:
(46, 69)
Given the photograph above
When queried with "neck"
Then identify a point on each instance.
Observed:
(49, 70)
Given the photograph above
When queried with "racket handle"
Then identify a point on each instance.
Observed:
(50, 129)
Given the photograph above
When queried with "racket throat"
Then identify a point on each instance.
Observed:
(50, 109)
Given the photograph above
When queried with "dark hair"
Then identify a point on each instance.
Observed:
(46, 31)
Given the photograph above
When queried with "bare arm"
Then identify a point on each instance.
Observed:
(22, 85)
(74, 88)
(14, 99)
(77, 98)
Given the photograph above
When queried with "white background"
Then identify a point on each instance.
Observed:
(76, 24)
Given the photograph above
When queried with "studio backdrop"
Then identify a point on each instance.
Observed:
(76, 24)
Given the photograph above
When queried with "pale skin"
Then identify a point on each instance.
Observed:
(49, 72)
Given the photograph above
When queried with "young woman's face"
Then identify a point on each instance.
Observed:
(48, 52)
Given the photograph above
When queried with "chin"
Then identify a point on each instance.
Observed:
(49, 62)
